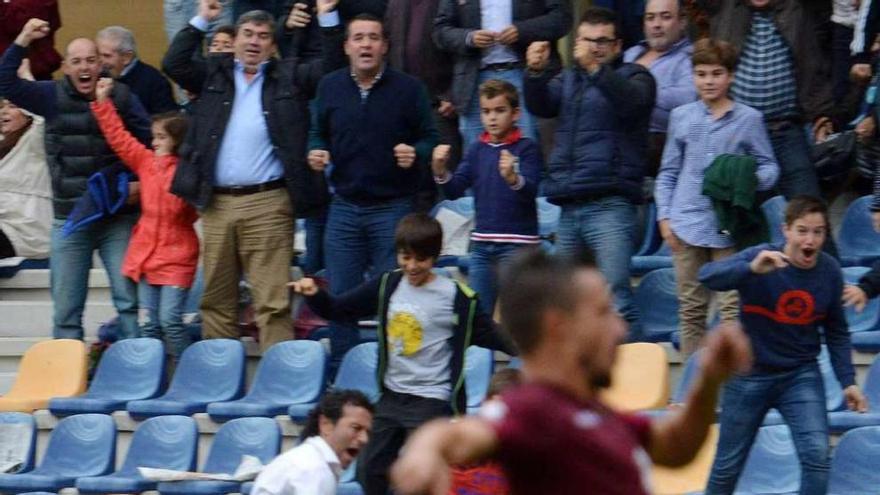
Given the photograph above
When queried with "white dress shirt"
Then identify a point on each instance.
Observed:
(312, 468)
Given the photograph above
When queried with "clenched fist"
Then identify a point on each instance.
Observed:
(405, 155)
(538, 56)
(34, 29)
(318, 160)
(507, 167)
(439, 159)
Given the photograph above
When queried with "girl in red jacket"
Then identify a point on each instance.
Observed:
(164, 250)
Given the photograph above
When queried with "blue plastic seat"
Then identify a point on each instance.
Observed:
(208, 371)
(774, 212)
(246, 488)
(348, 484)
(854, 465)
(81, 445)
(657, 300)
(25, 264)
(289, 373)
(841, 421)
(858, 243)
(662, 258)
(515, 363)
(130, 369)
(358, 370)
(167, 442)
(258, 437)
(21, 427)
(463, 206)
(479, 364)
(651, 238)
(864, 327)
(773, 466)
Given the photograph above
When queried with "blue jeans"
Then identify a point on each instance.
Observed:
(358, 238)
(486, 259)
(314, 258)
(161, 312)
(69, 266)
(606, 226)
(796, 172)
(799, 395)
(469, 124)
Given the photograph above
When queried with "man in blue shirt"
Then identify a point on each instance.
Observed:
(786, 293)
(243, 163)
(666, 53)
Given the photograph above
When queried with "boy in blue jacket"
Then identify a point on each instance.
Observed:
(786, 293)
(426, 323)
(503, 169)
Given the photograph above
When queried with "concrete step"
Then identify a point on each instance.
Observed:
(33, 319)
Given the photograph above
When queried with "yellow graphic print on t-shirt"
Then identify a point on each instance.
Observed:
(404, 333)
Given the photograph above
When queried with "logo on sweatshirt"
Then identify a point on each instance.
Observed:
(794, 307)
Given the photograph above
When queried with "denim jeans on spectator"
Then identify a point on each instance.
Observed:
(841, 60)
(178, 13)
(313, 261)
(358, 238)
(486, 260)
(161, 314)
(69, 264)
(606, 226)
(469, 123)
(799, 396)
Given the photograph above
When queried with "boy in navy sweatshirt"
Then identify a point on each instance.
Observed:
(503, 168)
(786, 293)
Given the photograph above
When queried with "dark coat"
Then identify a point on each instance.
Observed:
(536, 20)
(287, 89)
(602, 133)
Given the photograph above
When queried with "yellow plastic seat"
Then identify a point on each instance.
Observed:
(52, 368)
(691, 477)
(639, 379)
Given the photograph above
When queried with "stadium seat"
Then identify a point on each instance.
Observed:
(774, 212)
(691, 477)
(479, 364)
(167, 442)
(289, 373)
(11, 266)
(258, 437)
(457, 218)
(209, 371)
(854, 465)
(358, 370)
(857, 242)
(651, 238)
(515, 363)
(773, 466)
(864, 326)
(19, 433)
(81, 445)
(246, 488)
(840, 421)
(51, 368)
(834, 400)
(657, 300)
(662, 258)
(348, 484)
(639, 379)
(130, 369)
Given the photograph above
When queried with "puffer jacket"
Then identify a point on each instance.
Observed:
(164, 247)
(602, 134)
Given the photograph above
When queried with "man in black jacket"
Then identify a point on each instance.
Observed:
(243, 162)
(488, 41)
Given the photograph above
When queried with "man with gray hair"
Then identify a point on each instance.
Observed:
(118, 52)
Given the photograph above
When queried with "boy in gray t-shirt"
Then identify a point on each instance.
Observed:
(426, 323)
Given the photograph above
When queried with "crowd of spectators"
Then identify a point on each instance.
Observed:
(355, 114)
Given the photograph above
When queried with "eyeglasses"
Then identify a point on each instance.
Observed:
(600, 42)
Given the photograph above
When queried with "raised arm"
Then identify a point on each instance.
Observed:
(132, 153)
(675, 440)
(188, 71)
(310, 71)
(729, 273)
(423, 466)
(36, 97)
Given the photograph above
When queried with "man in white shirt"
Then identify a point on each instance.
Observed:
(335, 432)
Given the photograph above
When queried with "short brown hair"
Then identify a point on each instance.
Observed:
(419, 234)
(176, 125)
(708, 51)
(803, 205)
(497, 87)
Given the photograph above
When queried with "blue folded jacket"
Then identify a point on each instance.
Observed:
(106, 193)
